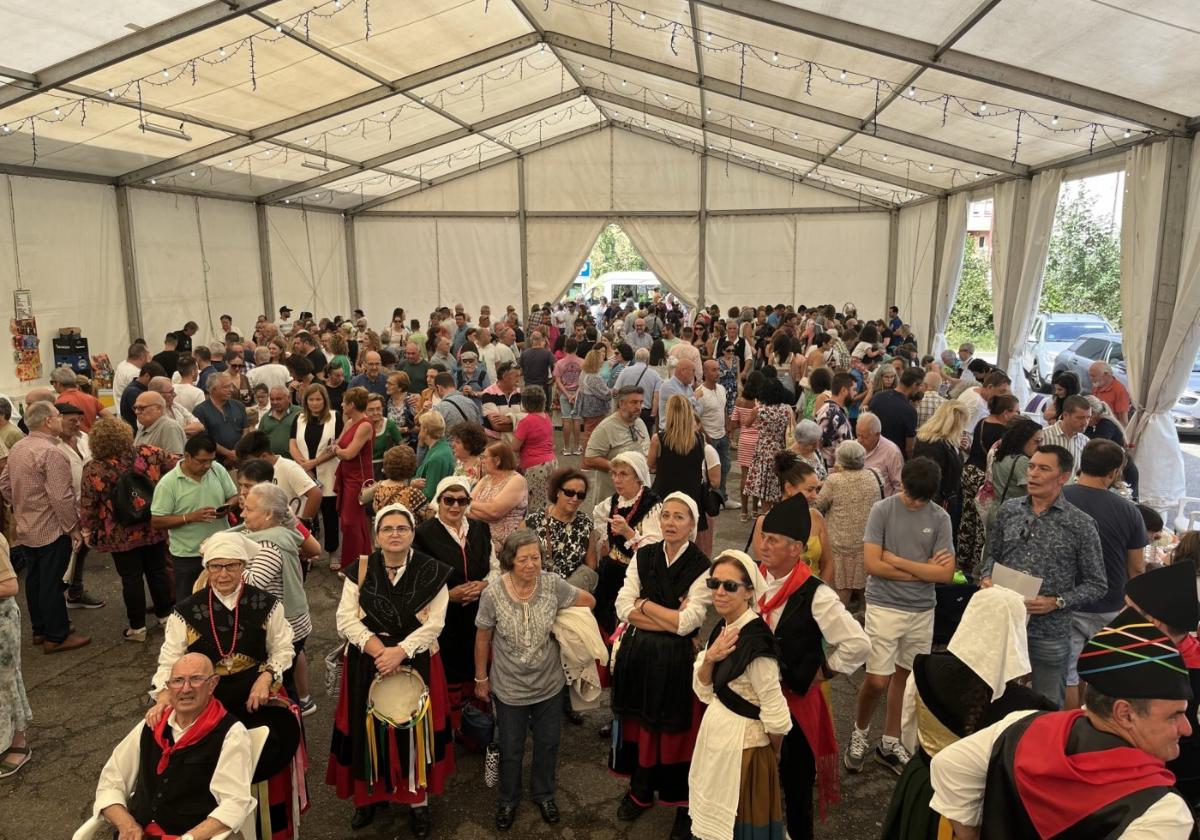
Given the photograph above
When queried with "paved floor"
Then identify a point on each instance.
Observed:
(85, 701)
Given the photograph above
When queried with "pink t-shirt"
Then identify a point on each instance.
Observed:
(566, 371)
(536, 434)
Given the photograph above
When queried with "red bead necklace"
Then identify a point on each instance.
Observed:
(212, 622)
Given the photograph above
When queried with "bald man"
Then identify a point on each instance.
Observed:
(1110, 390)
(277, 423)
(682, 383)
(201, 758)
(155, 426)
(373, 377)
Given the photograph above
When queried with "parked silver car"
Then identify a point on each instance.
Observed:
(1052, 333)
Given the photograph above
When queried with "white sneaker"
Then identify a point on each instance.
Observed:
(894, 758)
(856, 751)
(731, 504)
(132, 635)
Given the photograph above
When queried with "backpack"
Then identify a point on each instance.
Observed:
(130, 497)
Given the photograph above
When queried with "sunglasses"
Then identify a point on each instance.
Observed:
(573, 494)
(730, 586)
(461, 501)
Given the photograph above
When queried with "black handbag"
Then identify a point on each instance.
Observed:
(711, 499)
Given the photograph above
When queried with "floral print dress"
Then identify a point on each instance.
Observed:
(761, 482)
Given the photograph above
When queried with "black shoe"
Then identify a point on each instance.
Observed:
(549, 810)
(505, 817)
(574, 717)
(628, 810)
(682, 827)
(362, 817)
(420, 822)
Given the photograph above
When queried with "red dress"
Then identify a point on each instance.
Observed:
(351, 475)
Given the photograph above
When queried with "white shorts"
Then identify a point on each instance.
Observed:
(896, 638)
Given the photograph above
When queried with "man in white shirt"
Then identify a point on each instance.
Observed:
(284, 324)
(265, 372)
(128, 370)
(492, 353)
(1097, 772)
(1068, 431)
(711, 398)
(186, 393)
(200, 784)
(290, 477)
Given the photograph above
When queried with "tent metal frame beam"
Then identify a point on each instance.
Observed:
(613, 214)
(694, 16)
(270, 131)
(533, 23)
(266, 274)
(955, 62)
(470, 170)
(134, 44)
(757, 166)
(779, 103)
(762, 142)
(423, 146)
(133, 302)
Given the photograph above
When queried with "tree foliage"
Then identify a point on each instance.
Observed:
(971, 317)
(1083, 269)
(614, 252)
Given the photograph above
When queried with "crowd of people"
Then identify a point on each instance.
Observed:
(989, 568)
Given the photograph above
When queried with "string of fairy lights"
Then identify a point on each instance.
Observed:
(539, 61)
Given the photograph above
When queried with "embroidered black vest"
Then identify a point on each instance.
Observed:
(645, 504)
(240, 671)
(799, 638)
(179, 799)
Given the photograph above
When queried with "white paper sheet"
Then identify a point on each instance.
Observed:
(1025, 585)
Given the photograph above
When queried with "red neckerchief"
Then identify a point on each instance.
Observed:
(213, 713)
(799, 574)
(1058, 790)
(1189, 649)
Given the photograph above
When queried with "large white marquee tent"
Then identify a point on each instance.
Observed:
(165, 159)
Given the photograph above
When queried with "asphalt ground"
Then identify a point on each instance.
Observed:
(85, 701)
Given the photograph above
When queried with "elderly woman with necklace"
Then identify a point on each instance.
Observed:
(465, 546)
(625, 521)
(515, 621)
(391, 613)
(663, 602)
(734, 780)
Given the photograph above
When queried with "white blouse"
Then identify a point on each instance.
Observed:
(432, 618)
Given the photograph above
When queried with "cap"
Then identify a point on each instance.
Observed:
(68, 408)
(286, 309)
(1132, 659)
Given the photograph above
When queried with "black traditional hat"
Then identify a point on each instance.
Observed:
(789, 518)
(1168, 594)
(1131, 659)
(283, 738)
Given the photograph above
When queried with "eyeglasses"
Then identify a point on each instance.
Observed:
(573, 494)
(195, 681)
(461, 501)
(397, 530)
(730, 586)
(213, 568)
(237, 366)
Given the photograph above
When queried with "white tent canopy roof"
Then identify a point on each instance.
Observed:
(335, 104)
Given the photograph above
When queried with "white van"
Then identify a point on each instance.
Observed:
(615, 285)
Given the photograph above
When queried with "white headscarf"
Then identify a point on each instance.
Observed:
(452, 481)
(991, 640)
(757, 582)
(394, 508)
(636, 461)
(691, 505)
(228, 545)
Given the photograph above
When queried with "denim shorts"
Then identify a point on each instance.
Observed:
(569, 409)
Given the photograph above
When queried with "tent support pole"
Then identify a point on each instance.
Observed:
(1016, 251)
(1170, 249)
(523, 229)
(939, 244)
(264, 261)
(352, 262)
(889, 298)
(133, 298)
(703, 227)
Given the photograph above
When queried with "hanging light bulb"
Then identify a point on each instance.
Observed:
(153, 181)
(166, 75)
(912, 91)
(221, 52)
(885, 157)
(193, 173)
(229, 163)
(842, 75)
(6, 129)
(839, 147)
(1054, 120)
(775, 56)
(279, 27)
(623, 83)
(931, 167)
(110, 93)
(1128, 133)
(287, 201)
(983, 107)
(642, 16)
(752, 123)
(57, 111)
(708, 36)
(708, 111)
(795, 136)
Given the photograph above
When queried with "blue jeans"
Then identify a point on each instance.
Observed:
(722, 447)
(544, 719)
(44, 589)
(1049, 658)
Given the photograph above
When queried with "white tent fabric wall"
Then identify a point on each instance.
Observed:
(64, 238)
(493, 189)
(1018, 312)
(750, 255)
(1155, 391)
(479, 261)
(308, 261)
(841, 259)
(734, 187)
(950, 273)
(671, 248)
(397, 266)
(916, 236)
(200, 250)
(557, 249)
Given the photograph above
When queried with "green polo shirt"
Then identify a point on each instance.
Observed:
(280, 431)
(176, 495)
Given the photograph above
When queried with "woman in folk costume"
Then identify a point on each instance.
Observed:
(465, 545)
(625, 521)
(956, 693)
(243, 630)
(734, 780)
(663, 602)
(818, 639)
(391, 612)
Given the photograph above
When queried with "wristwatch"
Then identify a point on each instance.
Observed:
(1059, 603)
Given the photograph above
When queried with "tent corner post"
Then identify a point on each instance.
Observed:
(703, 244)
(351, 261)
(893, 262)
(133, 302)
(1170, 248)
(264, 259)
(523, 234)
(939, 245)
